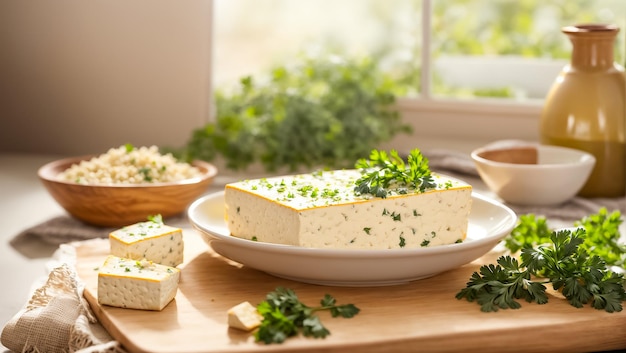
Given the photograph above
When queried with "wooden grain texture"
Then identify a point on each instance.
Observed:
(419, 316)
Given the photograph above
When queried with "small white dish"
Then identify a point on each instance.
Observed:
(533, 174)
(489, 222)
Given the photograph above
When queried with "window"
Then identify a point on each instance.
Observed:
(471, 68)
(511, 49)
(477, 47)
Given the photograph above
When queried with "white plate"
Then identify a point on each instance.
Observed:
(489, 222)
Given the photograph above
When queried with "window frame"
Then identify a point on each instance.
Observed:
(461, 124)
(464, 124)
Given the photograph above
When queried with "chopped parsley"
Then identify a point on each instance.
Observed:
(384, 169)
(575, 262)
(402, 241)
(284, 316)
(145, 171)
(129, 147)
(157, 218)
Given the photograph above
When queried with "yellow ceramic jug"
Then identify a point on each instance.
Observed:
(586, 108)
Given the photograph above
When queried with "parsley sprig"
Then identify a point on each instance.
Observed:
(383, 169)
(157, 218)
(602, 235)
(284, 316)
(575, 262)
(530, 231)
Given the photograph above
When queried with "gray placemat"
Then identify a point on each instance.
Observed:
(64, 229)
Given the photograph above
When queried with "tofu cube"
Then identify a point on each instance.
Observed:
(136, 284)
(244, 316)
(149, 240)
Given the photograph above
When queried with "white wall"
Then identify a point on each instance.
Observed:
(81, 76)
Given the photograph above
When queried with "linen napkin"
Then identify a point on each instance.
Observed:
(57, 318)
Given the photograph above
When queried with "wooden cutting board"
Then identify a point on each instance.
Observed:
(422, 315)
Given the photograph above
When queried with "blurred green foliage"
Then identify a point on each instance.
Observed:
(322, 111)
(330, 110)
(527, 28)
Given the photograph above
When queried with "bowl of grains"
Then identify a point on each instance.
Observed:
(125, 185)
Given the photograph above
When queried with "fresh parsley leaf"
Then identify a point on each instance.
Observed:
(530, 231)
(145, 171)
(498, 286)
(603, 236)
(601, 239)
(563, 261)
(276, 327)
(157, 218)
(284, 316)
(383, 170)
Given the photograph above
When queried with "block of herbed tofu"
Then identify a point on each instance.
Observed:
(321, 210)
(244, 316)
(136, 284)
(149, 240)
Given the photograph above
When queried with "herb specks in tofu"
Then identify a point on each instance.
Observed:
(402, 241)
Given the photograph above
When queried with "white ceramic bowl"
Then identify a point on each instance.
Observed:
(533, 174)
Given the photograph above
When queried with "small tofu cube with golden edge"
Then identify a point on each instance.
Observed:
(136, 284)
(244, 316)
(149, 240)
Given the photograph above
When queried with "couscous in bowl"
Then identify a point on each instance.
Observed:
(120, 204)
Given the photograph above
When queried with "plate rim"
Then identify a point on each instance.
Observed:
(357, 253)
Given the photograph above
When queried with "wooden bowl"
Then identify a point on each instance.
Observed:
(121, 205)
